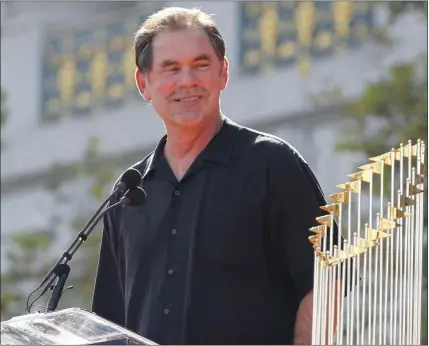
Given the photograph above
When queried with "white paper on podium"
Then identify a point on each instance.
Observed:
(69, 326)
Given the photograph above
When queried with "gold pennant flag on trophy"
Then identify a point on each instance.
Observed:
(365, 243)
(342, 197)
(325, 220)
(333, 208)
(396, 213)
(373, 234)
(315, 239)
(352, 186)
(387, 157)
(420, 179)
(321, 230)
(405, 201)
(385, 224)
(414, 190)
(375, 167)
(365, 175)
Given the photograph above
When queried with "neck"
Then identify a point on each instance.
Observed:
(188, 143)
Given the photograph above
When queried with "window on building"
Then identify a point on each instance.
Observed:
(89, 69)
(278, 34)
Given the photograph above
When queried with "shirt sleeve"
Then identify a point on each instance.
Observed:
(108, 297)
(295, 201)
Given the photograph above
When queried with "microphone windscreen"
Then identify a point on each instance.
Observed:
(136, 196)
(131, 178)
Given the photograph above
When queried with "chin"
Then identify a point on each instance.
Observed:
(188, 119)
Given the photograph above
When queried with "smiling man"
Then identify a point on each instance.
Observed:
(219, 254)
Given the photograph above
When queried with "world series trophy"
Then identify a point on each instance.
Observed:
(368, 254)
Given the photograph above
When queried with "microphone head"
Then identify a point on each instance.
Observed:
(134, 197)
(130, 179)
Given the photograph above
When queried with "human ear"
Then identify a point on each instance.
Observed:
(225, 73)
(142, 85)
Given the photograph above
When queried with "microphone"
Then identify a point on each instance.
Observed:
(130, 179)
(133, 197)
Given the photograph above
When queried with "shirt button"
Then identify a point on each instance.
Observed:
(173, 231)
(166, 311)
(177, 192)
(170, 271)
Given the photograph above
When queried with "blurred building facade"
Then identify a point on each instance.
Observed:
(68, 73)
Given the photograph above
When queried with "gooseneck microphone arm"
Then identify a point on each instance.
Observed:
(62, 270)
(79, 236)
(132, 197)
(129, 180)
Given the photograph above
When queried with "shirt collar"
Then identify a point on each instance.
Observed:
(219, 150)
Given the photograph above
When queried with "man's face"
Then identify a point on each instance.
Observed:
(186, 77)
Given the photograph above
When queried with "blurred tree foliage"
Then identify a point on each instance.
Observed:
(397, 8)
(389, 112)
(392, 111)
(27, 261)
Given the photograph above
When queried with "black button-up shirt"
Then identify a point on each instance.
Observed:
(220, 257)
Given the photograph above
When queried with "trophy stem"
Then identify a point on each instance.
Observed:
(340, 284)
(316, 295)
(364, 288)
(380, 260)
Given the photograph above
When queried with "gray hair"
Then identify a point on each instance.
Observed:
(174, 18)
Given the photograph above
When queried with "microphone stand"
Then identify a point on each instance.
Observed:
(81, 236)
(61, 270)
(130, 179)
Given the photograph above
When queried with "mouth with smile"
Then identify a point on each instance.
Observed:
(188, 99)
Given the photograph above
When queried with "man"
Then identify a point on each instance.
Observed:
(219, 254)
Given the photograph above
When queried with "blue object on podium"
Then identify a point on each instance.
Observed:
(72, 326)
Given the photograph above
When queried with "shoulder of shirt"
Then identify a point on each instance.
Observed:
(268, 144)
(280, 153)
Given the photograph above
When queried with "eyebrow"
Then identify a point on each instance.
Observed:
(168, 62)
(202, 57)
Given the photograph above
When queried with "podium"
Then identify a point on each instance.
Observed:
(71, 326)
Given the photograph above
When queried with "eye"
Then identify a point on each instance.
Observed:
(171, 69)
(202, 65)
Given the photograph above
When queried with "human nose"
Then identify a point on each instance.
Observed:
(187, 78)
